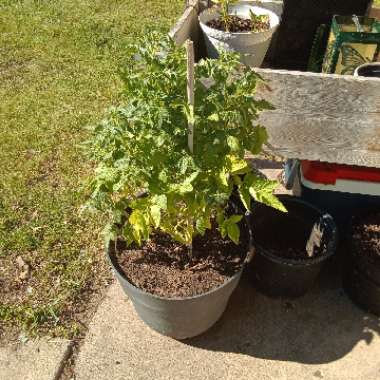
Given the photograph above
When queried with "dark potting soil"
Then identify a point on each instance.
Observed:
(163, 267)
(238, 24)
(366, 237)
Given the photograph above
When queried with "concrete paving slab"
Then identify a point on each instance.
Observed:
(35, 360)
(319, 336)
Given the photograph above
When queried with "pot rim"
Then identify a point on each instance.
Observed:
(368, 64)
(110, 252)
(299, 262)
(216, 12)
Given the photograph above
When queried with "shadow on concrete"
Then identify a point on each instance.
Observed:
(321, 327)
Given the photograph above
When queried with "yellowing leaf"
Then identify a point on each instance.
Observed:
(238, 166)
(245, 197)
(213, 117)
(139, 225)
(161, 201)
(262, 191)
(233, 143)
(223, 178)
(155, 213)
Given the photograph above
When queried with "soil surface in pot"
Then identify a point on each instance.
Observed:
(366, 237)
(239, 25)
(163, 267)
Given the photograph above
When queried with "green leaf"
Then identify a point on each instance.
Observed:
(223, 177)
(142, 143)
(214, 117)
(185, 188)
(155, 212)
(202, 224)
(139, 225)
(245, 197)
(234, 219)
(260, 138)
(161, 201)
(238, 165)
(163, 177)
(262, 190)
(233, 143)
(110, 233)
(233, 233)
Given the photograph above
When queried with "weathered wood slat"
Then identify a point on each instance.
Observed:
(322, 117)
(323, 139)
(187, 27)
(329, 118)
(310, 93)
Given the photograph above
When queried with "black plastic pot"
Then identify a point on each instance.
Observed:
(362, 290)
(361, 274)
(283, 277)
(179, 318)
(364, 264)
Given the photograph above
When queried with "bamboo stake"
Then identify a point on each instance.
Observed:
(190, 93)
(190, 100)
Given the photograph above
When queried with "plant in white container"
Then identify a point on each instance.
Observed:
(236, 26)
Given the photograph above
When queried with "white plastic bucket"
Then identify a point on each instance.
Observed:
(252, 46)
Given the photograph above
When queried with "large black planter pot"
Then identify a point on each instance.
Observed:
(361, 275)
(179, 318)
(362, 290)
(283, 277)
(369, 269)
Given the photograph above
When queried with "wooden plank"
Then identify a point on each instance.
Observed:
(313, 93)
(190, 92)
(187, 27)
(321, 117)
(323, 139)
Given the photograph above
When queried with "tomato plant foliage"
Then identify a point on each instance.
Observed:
(141, 145)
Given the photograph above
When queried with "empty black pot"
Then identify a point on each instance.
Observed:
(278, 276)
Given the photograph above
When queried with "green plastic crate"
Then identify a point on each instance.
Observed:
(353, 41)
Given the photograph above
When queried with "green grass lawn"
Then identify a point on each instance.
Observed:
(58, 64)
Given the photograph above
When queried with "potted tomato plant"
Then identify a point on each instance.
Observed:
(176, 243)
(242, 28)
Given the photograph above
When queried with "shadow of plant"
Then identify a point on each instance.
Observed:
(320, 327)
